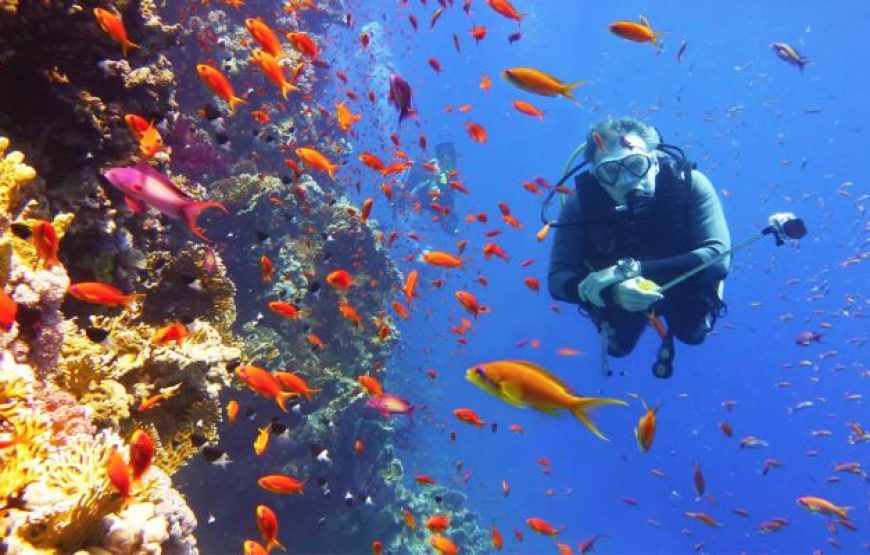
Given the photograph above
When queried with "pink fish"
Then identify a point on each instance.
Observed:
(144, 187)
(400, 96)
(389, 405)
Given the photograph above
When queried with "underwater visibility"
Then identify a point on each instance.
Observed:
(433, 277)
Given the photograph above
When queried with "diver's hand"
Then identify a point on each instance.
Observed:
(589, 290)
(636, 294)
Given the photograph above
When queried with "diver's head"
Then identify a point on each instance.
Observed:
(446, 154)
(622, 153)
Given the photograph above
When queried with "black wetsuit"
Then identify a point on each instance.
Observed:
(684, 227)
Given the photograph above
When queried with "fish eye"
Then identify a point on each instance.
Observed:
(479, 371)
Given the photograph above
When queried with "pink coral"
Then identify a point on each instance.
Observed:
(67, 417)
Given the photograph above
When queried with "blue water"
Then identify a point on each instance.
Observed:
(771, 138)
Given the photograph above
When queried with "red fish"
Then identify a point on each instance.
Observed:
(102, 294)
(220, 85)
(505, 8)
(267, 522)
(45, 241)
(119, 473)
(8, 311)
(113, 25)
(141, 454)
(339, 279)
(266, 384)
(282, 484)
(469, 416)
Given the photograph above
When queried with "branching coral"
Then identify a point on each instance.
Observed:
(13, 174)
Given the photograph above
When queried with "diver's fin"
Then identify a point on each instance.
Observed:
(582, 405)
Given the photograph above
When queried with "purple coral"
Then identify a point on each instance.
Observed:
(192, 152)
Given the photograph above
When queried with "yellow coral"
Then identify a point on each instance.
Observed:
(13, 174)
(73, 494)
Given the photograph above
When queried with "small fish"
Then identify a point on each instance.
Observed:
(681, 50)
(175, 331)
(476, 132)
(8, 311)
(506, 9)
(339, 279)
(264, 35)
(468, 416)
(543, 527)
(102, 294)
(119, 473)
(45, 241)
(141, 454)
(789, 54)
(113, 25)
(158, 398)
(540, 82)
(636, 32)
(390, 405)
(314, 159)
(645, 430)
(401, 97)
(282, 484)
(220, 85)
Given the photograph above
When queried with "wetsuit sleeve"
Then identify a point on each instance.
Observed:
(566, 257)
(709, 237)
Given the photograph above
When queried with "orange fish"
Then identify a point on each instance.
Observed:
(141, 454)
(350, 313)
(424, 479)
(137, 125)
(345, 118)
(150, 143)
(469, 417)
(497, 540)
(370, 384)
(372, 161)
(443, 545)
(119, 473)
(441, 259)
(505, 8)
(175, 331)
(492, 249)
(541, 526)
(366, 209)
(303, 44)
(540, 82)
(476, 132)
(156, 399)
(264, 35)
(438, 523)
(401, 310)
(645, 430)
(377, 547)
(532, 283)
(267, 522)
(635, 32)
(261, 442)
(485, 82)
(266, 269)
(232, 410)
(528, 109)
(339, 279)
(45, 241)
(285, 309)
(282, 484)
(251, 547)
(703, 517)
(295, 383)
(220, 85)
(358, 447)
(102, 294)
(315, 340)
(823, 506)
(410, 287)
(410, 521)
(265, 384)
(316, 160)
(478, 33)
(113, 25)
(469, 302)
(273, 71)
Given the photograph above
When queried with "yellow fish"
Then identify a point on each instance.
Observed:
(522, 383)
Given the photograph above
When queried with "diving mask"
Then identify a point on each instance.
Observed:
(610, 172)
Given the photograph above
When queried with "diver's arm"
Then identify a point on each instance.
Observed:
(566, 266)
(708, 232)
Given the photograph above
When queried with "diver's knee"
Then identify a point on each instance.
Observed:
(692, 337)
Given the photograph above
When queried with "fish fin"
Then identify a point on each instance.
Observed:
(282, 398)
(512, 394)
(582, 404)
(192, 209)
(273, 544)
(130, 298)
(235, 100)
(135, 206)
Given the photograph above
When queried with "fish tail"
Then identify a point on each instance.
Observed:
(287, 87)
(273, 544)
(127, 45)
(130, 298)
(655, 39)
(282, 398)
(582, 405)
(568, 91)
(191, 212)
(234, 101)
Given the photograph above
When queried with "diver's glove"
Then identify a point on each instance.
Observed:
(636, 294)
(589, 290)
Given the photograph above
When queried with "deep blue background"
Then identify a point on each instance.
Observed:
(749, 132)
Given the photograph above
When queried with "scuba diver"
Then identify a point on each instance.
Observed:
(641, 216)
(426, 188)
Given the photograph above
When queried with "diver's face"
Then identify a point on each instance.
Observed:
(626, 167)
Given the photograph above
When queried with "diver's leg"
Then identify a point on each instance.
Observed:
(688, 318)
(624, 330)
